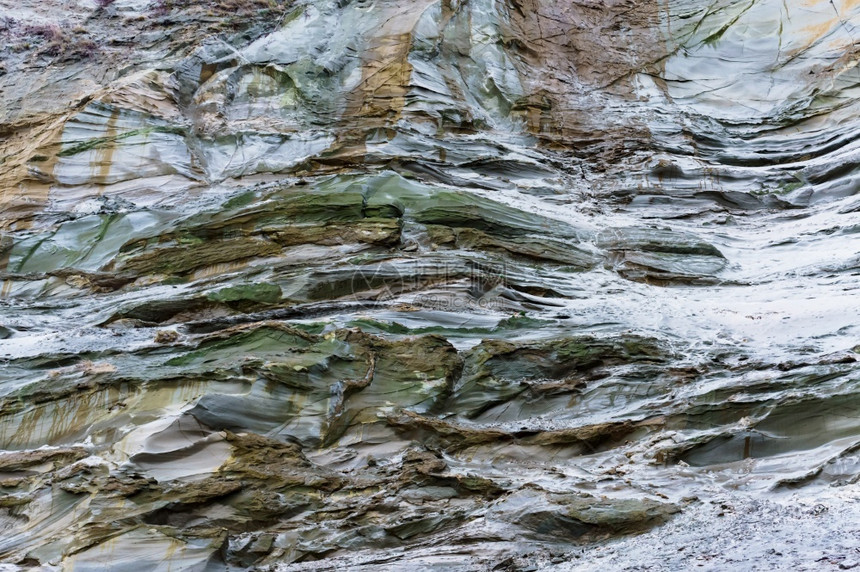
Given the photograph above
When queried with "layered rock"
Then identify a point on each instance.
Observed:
(306, 285)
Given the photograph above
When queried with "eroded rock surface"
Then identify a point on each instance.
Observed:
(374, 284)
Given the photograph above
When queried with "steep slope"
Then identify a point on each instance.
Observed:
(495, 284)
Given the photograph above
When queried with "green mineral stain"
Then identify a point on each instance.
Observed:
(259, 343)
(240, 200)
(99, 142)
(263, 293)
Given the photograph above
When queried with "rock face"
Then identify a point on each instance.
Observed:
(498, 284)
